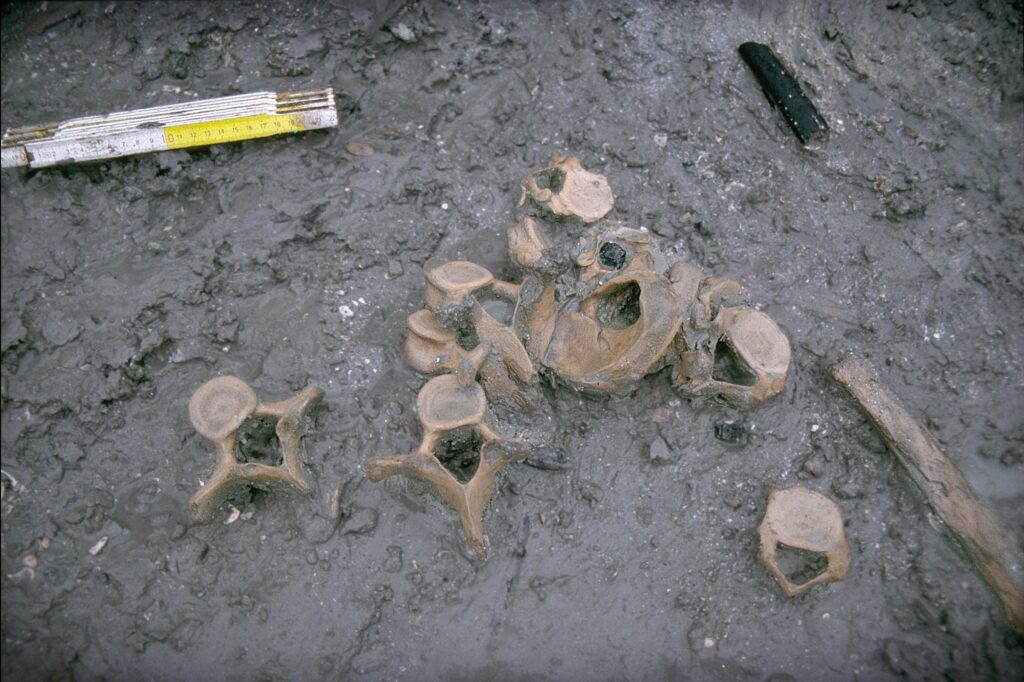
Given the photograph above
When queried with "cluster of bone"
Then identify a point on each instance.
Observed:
(599, 316)
(217, 410)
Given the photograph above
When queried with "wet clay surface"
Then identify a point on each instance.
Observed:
(630, 549)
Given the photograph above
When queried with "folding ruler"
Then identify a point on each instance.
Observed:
(174, 126)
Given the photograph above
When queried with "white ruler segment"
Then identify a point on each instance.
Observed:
(173, 126)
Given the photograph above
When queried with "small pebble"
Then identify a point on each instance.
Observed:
(612, 256)
(659, 451)
(403, 33)
(814, 466)
(547, 459)
(359, 149)
(731, 432)
(98, 547)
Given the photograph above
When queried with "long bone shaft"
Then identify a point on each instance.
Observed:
(992, 550)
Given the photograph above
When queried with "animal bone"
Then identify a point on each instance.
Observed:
(992, 550)
(598, 312)
(566, 188)
(217, 409)
(445, 405)
(802, 519)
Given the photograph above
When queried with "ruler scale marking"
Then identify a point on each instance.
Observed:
(170, 126)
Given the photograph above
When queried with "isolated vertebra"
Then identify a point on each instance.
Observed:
(217, 410)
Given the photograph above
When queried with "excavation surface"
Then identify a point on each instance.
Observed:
(630, 552)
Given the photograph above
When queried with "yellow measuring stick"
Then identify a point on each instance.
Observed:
(231, 130)
(173, 126)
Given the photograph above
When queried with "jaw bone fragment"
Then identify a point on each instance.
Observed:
(217, 410)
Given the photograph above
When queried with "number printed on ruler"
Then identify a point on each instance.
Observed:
(231, 130)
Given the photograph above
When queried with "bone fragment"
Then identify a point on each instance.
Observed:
(993, 551)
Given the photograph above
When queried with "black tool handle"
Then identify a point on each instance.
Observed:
(784, 92)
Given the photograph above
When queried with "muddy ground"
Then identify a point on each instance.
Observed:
(129, 283)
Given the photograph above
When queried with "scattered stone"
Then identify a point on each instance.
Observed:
(403, 33)
(393, 563)
(847, 489)
(589, 492)
(731, 432)
(70, 453)
(659, 452)
(360, 521)
(59, 330)
(814, 465)
(359, 149)
(283, 64)
(548, 459)
(903, 206)
(98, 547)
(13, 332)
(233, 516)
(612, 256)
